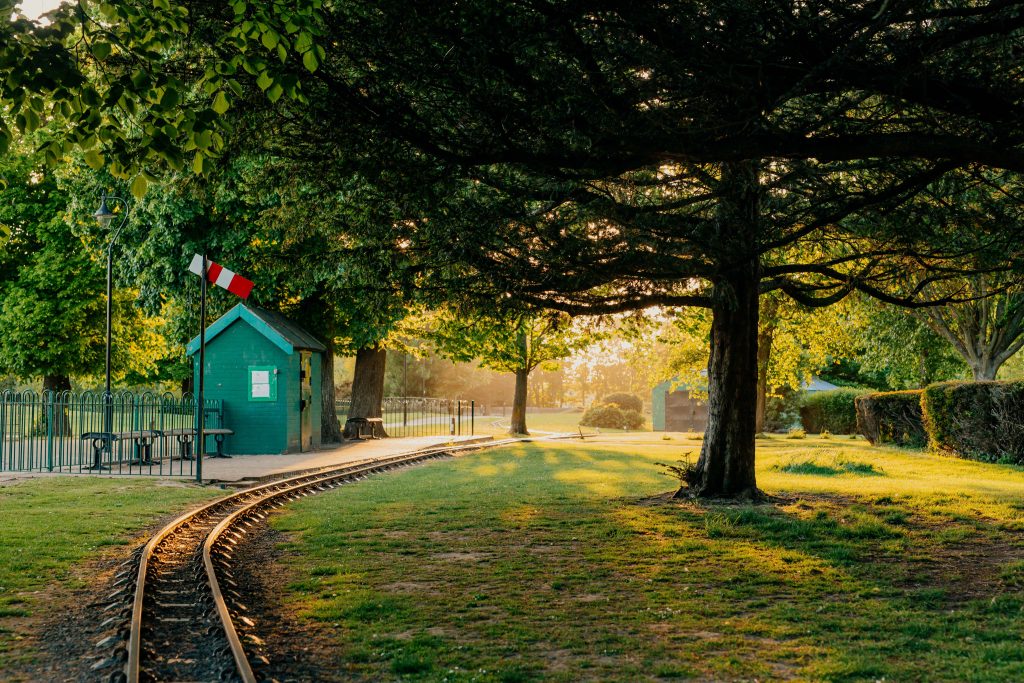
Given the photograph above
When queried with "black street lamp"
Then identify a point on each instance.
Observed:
(104, 216)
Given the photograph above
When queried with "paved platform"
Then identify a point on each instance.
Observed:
(254, 467)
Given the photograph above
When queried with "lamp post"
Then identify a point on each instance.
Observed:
(104, 216)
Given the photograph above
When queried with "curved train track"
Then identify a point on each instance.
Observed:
(181, 619)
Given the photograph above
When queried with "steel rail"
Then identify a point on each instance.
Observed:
(259, 495)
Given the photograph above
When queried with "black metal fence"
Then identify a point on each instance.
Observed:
(123, 433)
(420, 416)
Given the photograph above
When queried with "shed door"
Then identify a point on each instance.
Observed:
(305, 402)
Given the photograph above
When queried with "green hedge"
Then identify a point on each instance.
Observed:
(976, 420)
(892, 417)
(624, 401)
(832, 411)
(612, 417)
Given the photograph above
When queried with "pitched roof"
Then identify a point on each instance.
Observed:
(285, 334)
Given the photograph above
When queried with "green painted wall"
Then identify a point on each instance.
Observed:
(658, 406)
(261, 427)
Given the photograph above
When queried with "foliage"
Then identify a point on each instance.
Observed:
(624, 402)
(976, 420)
(901, 351)
(52, 313)
(892, 417)
(832, 411)
(611, 416)
(506, 343)
(782, 412)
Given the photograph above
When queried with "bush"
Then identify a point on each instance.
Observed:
(612, 417)
(831, 411)
(892, 417)
(624, 401)
(976, 420)
(782, 412)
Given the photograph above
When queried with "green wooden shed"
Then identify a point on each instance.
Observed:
(266, 371)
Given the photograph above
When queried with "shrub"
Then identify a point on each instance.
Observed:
(893, 417)
(976, 420)
(831, 411)
(612, 417)
(782, 412)
(796, 434)
(624, 401)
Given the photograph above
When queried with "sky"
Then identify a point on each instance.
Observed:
(33, 8)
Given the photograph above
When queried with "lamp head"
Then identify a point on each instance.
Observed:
(104, 215)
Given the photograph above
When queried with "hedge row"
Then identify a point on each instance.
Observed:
(893, 417)
(830, 411)
(976, 420)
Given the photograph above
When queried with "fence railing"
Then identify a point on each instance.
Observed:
(420, 416)
(67, 432)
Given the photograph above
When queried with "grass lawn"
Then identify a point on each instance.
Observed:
(49, 526)
(562, 421)
(554, 562)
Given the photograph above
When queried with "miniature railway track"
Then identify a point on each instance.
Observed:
(184, 620)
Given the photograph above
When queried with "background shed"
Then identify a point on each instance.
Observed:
(677, 411)
(266, 370)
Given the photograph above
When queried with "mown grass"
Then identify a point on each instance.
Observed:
(539, 422)
(49, 526)
(554, 562)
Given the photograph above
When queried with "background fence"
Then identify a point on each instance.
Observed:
(62, 432)
(420, 416)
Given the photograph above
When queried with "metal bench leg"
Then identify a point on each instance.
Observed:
(219, 440)
(186, 447)
(97, 456)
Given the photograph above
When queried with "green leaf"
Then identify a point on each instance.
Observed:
(162, 4)
(264, 81)
(139, 186)
(101, 50)
(171, 98)
(94, 158)
(221, 103)
(198, 162)
(275, 92)
(270, 39)
(309, 61)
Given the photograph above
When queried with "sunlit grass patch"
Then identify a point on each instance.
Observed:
(828, 465)
(559, 562)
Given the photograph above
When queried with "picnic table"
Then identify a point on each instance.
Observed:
(144, 438)
(186, 437)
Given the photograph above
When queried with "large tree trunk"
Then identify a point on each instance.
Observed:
(53, 386)
(518, 425)
(984, 368)
(726, 464)
(330, 430)
(368, 384)
(56, 383)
